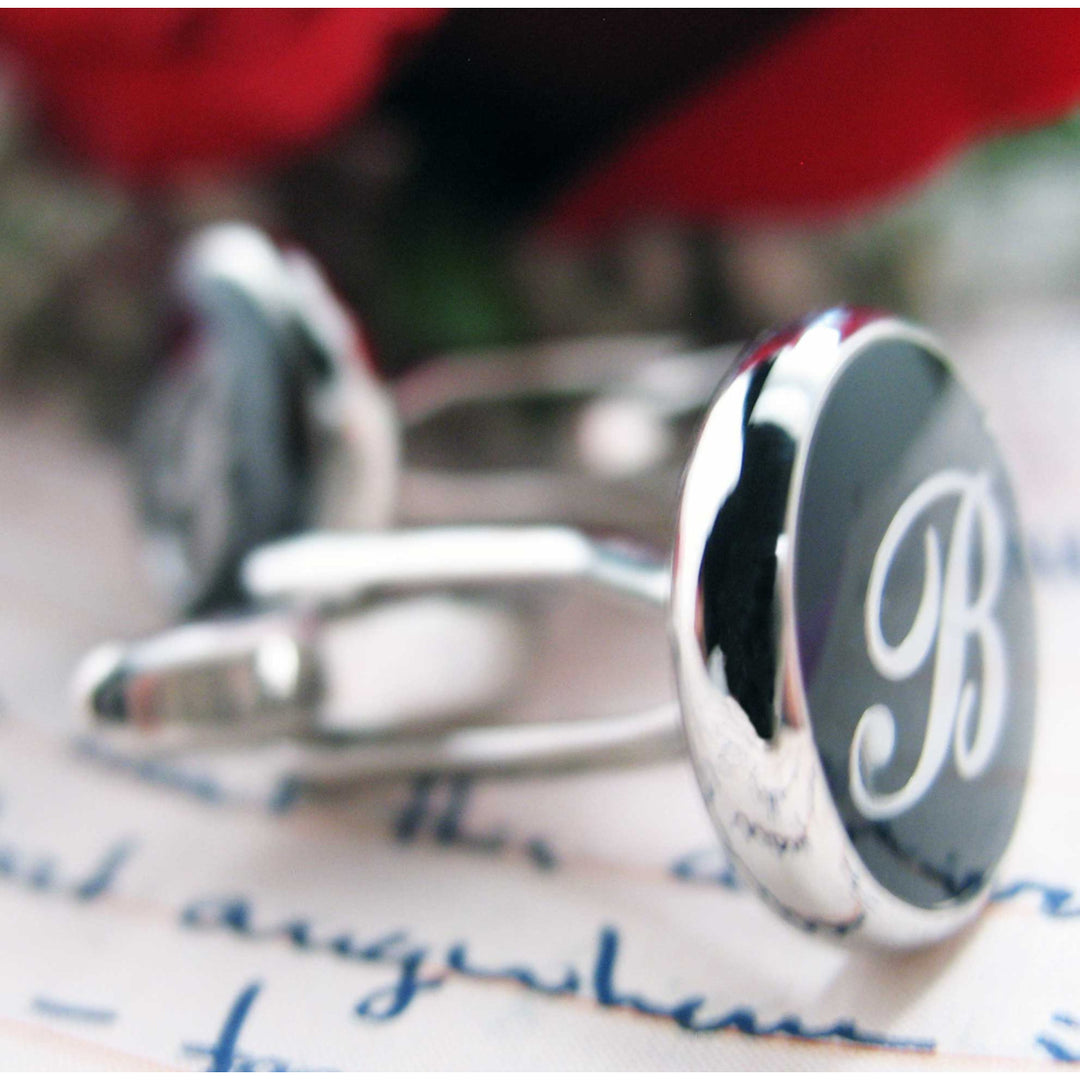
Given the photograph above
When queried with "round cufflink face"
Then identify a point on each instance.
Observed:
(222, 451)
(273, 420)
(854, 631)
(914, 620)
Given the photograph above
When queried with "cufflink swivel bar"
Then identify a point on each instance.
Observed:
(335, 602)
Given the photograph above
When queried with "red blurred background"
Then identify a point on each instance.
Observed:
(451, 168)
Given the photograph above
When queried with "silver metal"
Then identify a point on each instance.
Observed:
(592, 432)
(308, 669)
(269, 415)
(327, 568)
(633, 739)
(768, 796)
(391, 669)
(761, 773)
(271, 421)
(351, 412)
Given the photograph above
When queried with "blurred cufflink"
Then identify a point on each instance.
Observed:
(271, 420)
(850, 616)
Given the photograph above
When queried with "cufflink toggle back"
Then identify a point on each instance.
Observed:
(851, 621)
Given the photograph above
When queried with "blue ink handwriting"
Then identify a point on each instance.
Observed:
(284, 795)
(1055, 901)
(457, 959)
(202, 787)
(41, 873)
(710, 866)
(447, 826)
(225, 1054)
(1057, 1050)
(238, 915)
(743, 1020)
(61, 1010)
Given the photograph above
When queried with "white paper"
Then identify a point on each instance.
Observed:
(191, 920)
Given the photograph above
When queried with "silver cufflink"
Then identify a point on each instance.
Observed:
(846, 599)
(268, 419)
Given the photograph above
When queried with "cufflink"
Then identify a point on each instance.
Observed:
(853, 631)
(270, 419)
(267, 418)
(850, 617)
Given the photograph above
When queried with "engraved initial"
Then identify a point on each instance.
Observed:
(962, 715)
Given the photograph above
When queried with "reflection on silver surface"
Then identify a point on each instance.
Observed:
(749, 725)
(730, 592)
(271, 421)
(391, 669)
(269, 416)
(333, 568)
(593, 432)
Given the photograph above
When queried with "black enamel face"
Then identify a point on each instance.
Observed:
(914, 624)
(223, 451)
